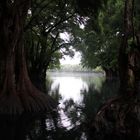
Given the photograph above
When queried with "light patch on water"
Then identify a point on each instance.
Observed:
(69, 87)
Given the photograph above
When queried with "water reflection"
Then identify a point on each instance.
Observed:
(70, 87)
(82, 115)
(77, 112)
(71, 84)
(80, 97)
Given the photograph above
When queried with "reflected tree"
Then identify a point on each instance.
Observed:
(81, 115)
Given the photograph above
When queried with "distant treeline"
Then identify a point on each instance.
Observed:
(76, 68)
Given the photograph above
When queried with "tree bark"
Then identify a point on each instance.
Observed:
(123, 60)
(110, 74)
(39, 79)
(17, 93)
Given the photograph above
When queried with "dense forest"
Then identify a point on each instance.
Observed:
(36, 34)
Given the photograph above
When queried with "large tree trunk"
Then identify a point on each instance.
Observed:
(124, 72)
(135, 65)
(130, 60)
(38, 77)
(17, 93)
(121, 114)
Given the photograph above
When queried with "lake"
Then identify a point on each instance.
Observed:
(71, 84)
(80, 95)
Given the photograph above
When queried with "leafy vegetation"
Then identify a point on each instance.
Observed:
(100, 44)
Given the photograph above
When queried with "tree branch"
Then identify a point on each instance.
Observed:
(58, 23)
(35, 15)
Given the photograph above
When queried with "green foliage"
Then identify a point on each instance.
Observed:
(100, 45)
(74, 68)
(47, 20)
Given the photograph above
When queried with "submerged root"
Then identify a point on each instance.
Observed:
(118, 119)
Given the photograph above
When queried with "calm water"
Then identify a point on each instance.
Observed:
(70, 85)
(71, 88)
(79, 95)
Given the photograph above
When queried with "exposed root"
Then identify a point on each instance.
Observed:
(107, 105)
(119, 118)
(25, 99)
(37, 102)
(21, 103)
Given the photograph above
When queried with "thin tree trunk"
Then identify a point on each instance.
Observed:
(123, 55)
